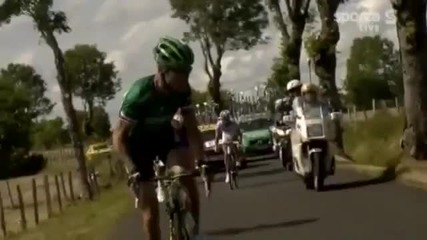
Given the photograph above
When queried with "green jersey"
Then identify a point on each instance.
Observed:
(150, 110)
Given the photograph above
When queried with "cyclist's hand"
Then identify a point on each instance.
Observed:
(132, 177)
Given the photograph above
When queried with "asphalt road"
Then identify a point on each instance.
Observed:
(274, 205)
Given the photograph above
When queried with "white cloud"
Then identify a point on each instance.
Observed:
(26, 58)
(128, 30)
(117, 56)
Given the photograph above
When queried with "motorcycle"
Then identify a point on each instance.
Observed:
(313, 146)
(282, 142)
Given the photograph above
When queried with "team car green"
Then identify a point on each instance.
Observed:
(256, 134)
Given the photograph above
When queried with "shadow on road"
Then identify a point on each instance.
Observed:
(262, 173)
(268, 183)
(387, 176)
(236, 231)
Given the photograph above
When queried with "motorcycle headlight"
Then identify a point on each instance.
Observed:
(280, 132)
(315, 130)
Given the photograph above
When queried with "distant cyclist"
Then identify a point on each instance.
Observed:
(145, 129)
(229, 131)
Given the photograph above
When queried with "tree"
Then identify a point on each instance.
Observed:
(92, 79)
(101, 123)
(220, 26)
(321, 48)
(373, 71)
(15, 122)
(27, 76)
(412, 35)
(291, 26)
(49, 133)
(199, 97)
(49, 22)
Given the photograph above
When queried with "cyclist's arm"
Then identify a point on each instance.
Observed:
(218, 131)
(120, 135)
(129, 115)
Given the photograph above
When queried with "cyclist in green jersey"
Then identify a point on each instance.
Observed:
(145, 129)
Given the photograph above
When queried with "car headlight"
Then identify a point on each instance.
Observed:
(315, 130)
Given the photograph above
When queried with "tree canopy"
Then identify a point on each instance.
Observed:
(92, 78)
(25, 75)
(220, 26)
(373, 71)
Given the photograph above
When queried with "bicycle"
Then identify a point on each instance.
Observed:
(232, 167)
(176, 197)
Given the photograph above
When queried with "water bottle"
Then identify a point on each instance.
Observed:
(160, 189)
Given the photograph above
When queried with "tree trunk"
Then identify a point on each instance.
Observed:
(292, 41)
(67, 102)
(215, 88)
(325, 60)
(292, 49)
(411, 31)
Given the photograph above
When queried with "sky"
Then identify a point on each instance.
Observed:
(128, 30)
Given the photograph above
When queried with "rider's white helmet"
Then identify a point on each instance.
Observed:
(294, 83)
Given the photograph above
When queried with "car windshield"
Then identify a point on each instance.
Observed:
(100, 147)
(255, 124)
(208, 135)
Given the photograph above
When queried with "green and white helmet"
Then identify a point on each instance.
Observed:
(173, 54)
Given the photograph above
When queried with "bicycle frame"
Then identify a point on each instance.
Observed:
(176, 197)
(231, 164)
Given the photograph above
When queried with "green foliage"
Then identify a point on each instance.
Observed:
(373, 71)
(92, 79)
(220, 26)
(383, 131)
(199, 97)
(100, 123)
(15, 122)
(15, 129)
(45, 19)
(50, 133)
(230, 24)
(25, 75)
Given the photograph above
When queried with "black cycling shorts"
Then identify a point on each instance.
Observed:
(142, 153)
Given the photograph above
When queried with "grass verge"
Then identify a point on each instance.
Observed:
(375, 141)
(85, 221)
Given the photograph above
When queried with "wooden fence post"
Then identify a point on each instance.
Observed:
(48, 197)
(21, 208)
(2, 218)
(58, 192)
(64, 189)
(36, 202)
(12, 203)
(70, 184)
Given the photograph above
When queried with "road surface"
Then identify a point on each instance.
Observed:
(274, 205)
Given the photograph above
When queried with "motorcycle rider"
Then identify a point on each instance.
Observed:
(229, 131)
(284, 105)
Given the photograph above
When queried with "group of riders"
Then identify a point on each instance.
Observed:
(157, 120)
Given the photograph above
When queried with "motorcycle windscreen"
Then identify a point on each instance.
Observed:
(315, 115)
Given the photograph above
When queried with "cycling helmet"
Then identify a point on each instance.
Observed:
(173, 54)
(294, 83)
(225, 115)
(309, 88)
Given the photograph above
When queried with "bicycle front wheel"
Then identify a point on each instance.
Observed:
(179, 229)
(234, 173)
(178, 214)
